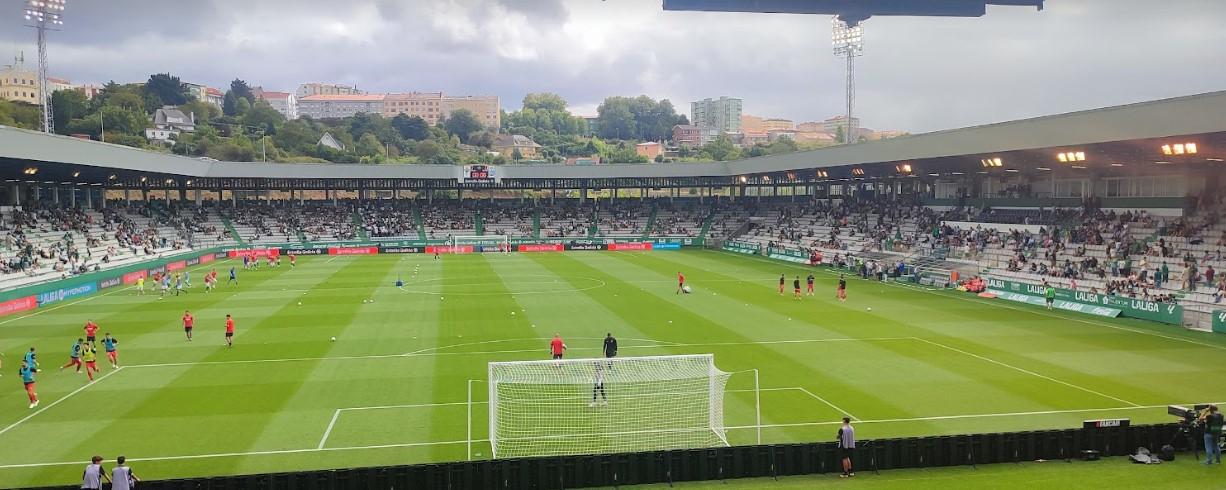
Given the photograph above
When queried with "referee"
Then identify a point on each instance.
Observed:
(610, 348)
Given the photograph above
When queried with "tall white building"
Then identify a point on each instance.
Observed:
(284, 102)
(714, 117)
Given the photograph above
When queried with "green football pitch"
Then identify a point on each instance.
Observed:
(392, 389)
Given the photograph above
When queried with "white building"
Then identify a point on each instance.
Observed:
(284, 102)
(168, 122)
(331, 106)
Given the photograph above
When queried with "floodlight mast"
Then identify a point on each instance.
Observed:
(848, 38)
(45, 15)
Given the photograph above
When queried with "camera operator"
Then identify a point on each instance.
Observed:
(1211, 419)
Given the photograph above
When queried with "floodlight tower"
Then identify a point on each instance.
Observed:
(848, 37)
(45, 15)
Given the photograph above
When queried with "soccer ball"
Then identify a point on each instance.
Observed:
(334, 339)
(868, 309)
(299, 303)
(687, 289)
(512, 313)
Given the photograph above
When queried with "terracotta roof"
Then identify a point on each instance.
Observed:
(275, 95)
(212, 91)
(342, 98)
(59, 81)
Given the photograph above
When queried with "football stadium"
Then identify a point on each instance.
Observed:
(1028, 302)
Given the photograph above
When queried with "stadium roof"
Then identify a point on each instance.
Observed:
(851, 11)
(1121, 131)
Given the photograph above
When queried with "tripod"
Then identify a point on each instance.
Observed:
(1185, 430)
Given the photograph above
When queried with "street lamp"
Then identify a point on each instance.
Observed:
(848, 38)
(44, 15)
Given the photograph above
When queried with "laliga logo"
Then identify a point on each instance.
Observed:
(1221, 317)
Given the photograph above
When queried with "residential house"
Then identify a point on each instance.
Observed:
(687, 135)
(284, 102)
(649, 149)
(330, 142)
(336, 106)
(168, 122)
(506, 144)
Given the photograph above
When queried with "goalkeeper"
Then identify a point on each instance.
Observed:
(598, 385)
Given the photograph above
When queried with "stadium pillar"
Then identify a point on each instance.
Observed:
(55, 194)
(72, 196)
(182, 194)
(16, 192)
(127, 196)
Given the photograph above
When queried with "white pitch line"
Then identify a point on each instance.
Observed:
(410, 405)
(956, 417)
(823, 400)
(57, 402)
(1027, 371)
(328, 431)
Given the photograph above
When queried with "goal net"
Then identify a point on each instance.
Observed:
(551, 408)
(482, 243)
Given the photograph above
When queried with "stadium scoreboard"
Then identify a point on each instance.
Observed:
(479, 174)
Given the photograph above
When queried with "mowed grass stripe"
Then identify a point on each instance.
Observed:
(221, 408)
(656, 306)
(132, 319)
(965, 374)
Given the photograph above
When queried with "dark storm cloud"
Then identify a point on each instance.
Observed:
(917, 74)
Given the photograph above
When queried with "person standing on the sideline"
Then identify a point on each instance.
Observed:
(680, 282)
(598, 385)
(557, 347)
(1050, 294)
(841, 293)
(809, 284)
(122, 477)
(796, 287)
(233, 277)
(94, 474)
(112, 353)
(610, 348)
(91, 330)
(782, 280)
(27, 378)
(229, 331)
(847, 446)
(90, 356)
(74, 356)
(189, 322)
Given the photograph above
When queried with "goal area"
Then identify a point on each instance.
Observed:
(480, 244)
(553, 408)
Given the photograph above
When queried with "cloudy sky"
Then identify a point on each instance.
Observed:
(918, 74)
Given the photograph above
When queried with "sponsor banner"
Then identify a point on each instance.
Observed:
(788, 258)
(630, 246)
(1170, 313)
(304, 251)
(176, 266)
(206, 258)
(193, 261)
(1057, 304)
(110, 283)
(132, 277)
(402, 250)
(541, 247)
(666, 246)
(448, 249)
(353, 250)
(586, 246)
(255, 252)
(1219, 321)
(18, 305)
(61, 294)
(732, 247)
(157, 270)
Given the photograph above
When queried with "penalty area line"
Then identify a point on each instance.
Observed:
(61, 399)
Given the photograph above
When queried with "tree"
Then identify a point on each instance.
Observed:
(839, 134)
(462, 123)
(427, 150)
(203, 111)
(615, 118)
(484, 139)
(369, 146)
(516, 155)
(263, 116)
(66, 106)
(720, 149)
(544, 101)
(411, 127)
(167, 89)
(241, 89)
(229, 104)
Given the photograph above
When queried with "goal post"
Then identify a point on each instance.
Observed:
(480, 243)
(603, 406)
